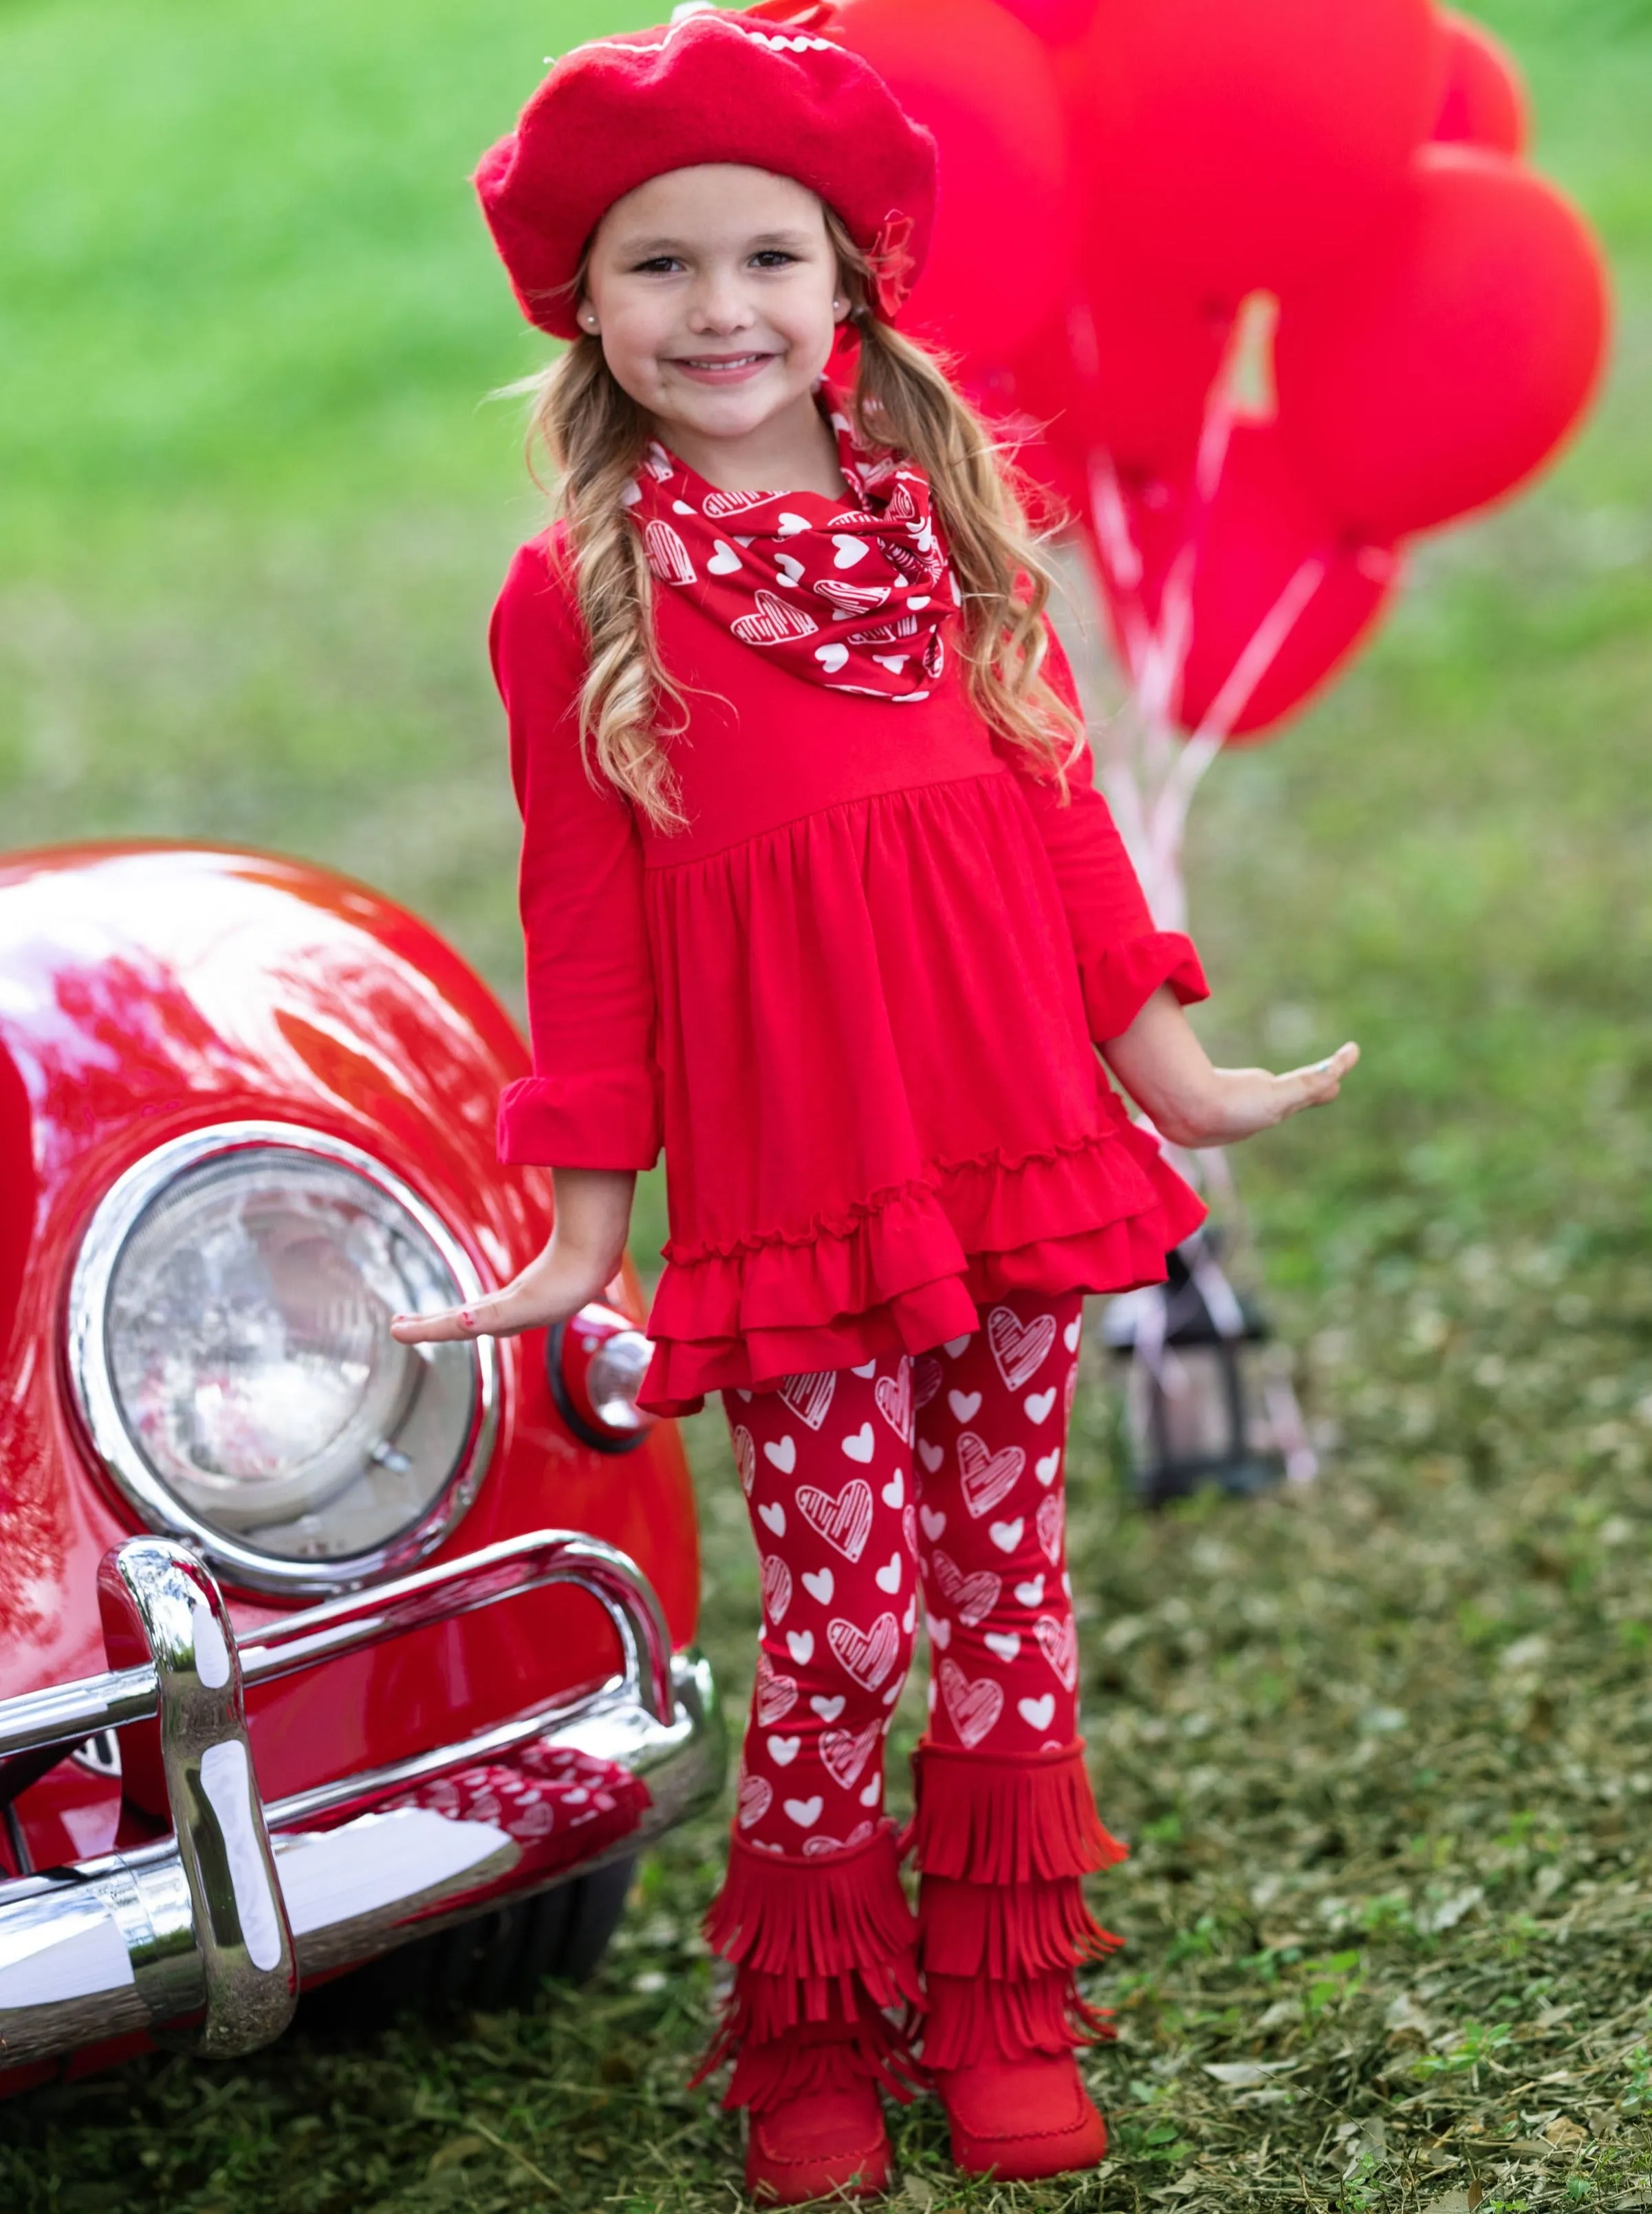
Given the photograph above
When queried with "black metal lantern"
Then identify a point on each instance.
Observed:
(1207, 1393)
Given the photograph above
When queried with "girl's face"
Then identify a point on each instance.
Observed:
(715, 292)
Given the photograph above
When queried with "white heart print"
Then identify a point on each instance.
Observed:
(805, 1812)
(781, 1453)
(800, 1643)
(889, 1577)
(783, 1751)
(849, 551)
(1037, 1714)
(964, 1405)
(1031, 1593)
(1007, 1535)
(934, 1522)
(895, 1490)
(1005, 1643)
(932, 1458)
(866, 1367)
(1038, 1404)
(940, 1633)
(724, 561)
(788, 526)
(773, 1517)
(859, 1447)
(819, 1585)
(790, 571)
(827, 1709)
(1070, 1335)
(1045, 1469)
(953, 1347)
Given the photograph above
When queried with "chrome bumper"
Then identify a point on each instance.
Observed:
(204, 1939)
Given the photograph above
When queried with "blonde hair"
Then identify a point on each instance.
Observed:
(596, 434)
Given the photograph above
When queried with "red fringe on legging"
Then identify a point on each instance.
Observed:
(1002, 1846)
(826, 1977)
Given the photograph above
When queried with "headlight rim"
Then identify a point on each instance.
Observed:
(96, 1403)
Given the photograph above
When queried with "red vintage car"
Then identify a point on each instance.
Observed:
(312, 1645)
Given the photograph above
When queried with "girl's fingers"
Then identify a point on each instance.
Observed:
(1316, 1085)
(499, 1316)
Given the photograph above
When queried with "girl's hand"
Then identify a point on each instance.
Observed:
(593, 1215)
(1167, 1072)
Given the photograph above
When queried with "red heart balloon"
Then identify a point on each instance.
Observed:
(1484, 101)
(1440, 368)
(1276, 598)
(1057, 23)
(1244, 144)
(981, 82)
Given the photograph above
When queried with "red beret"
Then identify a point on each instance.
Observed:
(762, 88)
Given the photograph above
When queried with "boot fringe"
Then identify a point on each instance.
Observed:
(814, 2056)
(989, 1820)
(826, 1975)
(1007, 1932)
(785, 1916)
(972, 2020)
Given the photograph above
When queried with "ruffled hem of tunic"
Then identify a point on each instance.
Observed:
(908, 1269)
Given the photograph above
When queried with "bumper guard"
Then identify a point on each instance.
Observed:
(204, 1939)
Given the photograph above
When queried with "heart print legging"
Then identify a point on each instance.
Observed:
(934, 1481)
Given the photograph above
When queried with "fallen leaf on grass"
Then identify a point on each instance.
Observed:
(454, 2151)
(1240, 2074)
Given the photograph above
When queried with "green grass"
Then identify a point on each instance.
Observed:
(1381, 1748)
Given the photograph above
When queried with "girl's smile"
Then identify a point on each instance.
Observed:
(715, 293)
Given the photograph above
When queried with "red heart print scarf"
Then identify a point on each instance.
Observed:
(853, 597)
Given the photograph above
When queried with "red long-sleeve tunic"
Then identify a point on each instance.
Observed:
(855, 1000)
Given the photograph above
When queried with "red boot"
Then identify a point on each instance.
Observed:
(1020, 2120)
(823, 1954)
(818, 2144)
(1003, 1845)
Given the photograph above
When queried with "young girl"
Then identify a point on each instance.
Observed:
(818, 894)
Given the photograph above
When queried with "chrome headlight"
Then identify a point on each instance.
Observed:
(231, 1356)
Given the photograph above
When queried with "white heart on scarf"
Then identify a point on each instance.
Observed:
(1006, 1643)
(1031, 1593)
(791, 570)
(819, 1587)
(827, 1709)
(894, 663)
(964, 1405)
(783, 1751)
(631, 495)
(723, 561)
(868, 1368)
(859, 1447)
(918, 602)
(888, 1578)
(954, 1346)
(783, 1455)
(805, 1812)
(932, 1518)
(1038, 1404)
(894, 1492)
(1007, 1535)
(800, 1643)
(681, 507)
(773, 1518)
(831, 657)
(1045, 1469)
(849, 551)
(788, 526)
(932, 1458)
(1037, 1714)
